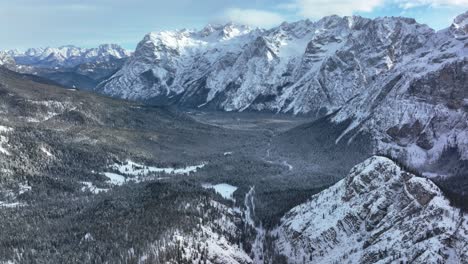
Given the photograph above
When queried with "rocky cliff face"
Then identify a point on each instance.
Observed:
(378, 213)
(418, 110)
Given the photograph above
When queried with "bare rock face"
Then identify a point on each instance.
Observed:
(378, 213)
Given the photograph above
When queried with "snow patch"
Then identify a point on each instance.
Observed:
(11, 205)
(47, 152)
(135, 169)
(3, 144)
(115, 179)
(224, 189)
(4, 129)
(89, 186)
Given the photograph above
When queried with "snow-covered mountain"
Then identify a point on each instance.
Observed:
(169, 63)
(399, 80)
(302, 67)
(6, 60)
(378, 214)
(69, 66)
(418, 109)
(68, 56)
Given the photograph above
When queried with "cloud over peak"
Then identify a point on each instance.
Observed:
(320, 8)
(253, 17)
(407, 4)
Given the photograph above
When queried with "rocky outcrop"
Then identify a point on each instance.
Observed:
(378, 213)
(70, 66)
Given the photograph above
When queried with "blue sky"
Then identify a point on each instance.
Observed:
(87, 23)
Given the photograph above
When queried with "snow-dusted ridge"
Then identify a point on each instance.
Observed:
(135, 169)
(299, 67)
(378, 214)
(401, 81)
(67, 56)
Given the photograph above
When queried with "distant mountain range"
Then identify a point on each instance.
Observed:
(68, 65)
(68, 56)
(301, 67)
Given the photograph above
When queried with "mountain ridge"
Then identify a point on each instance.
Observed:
(377, 213)
(68, 65)
(67, 56)
(383, 74)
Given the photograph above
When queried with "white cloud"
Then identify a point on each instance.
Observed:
(253, 17)
(320, 8)
(407, 4)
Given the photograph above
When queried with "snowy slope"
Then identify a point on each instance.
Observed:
(68, 56)
(299, 67)
(213, 242)
(69, 66)
(400, 81)
(418, 110)
(378, 214)
(165, 62)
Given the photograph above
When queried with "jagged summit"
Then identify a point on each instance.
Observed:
(216, 51)
(68, 55)
(209, 34)
(69, 65)
(378, 213)
(459, 26)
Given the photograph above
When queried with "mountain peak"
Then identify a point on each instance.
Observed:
(389, 214)
(68, 55)
(6, 59)
(460, 25)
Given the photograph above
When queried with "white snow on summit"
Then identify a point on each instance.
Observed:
(68, 56)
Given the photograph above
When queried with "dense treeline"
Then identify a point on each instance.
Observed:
(113, 227)
(456, 198)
